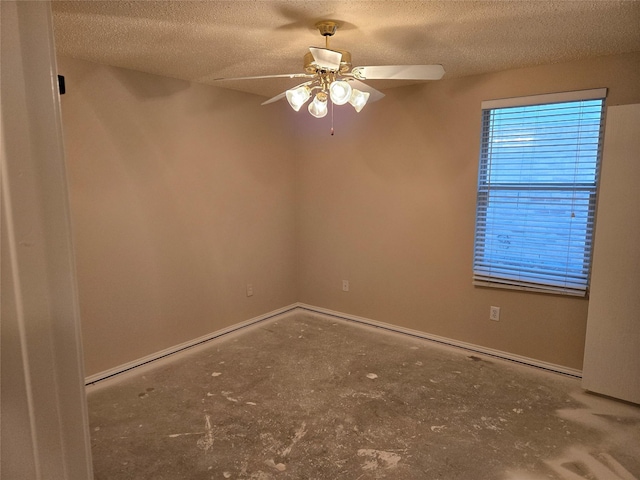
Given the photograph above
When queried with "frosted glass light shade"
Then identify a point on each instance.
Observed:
(340, 92)
(318, 108)
(358, 99)
(298, 96)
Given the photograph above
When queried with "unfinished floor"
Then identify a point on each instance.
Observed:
(306, 396)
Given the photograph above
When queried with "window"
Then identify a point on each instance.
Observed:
(537, 183)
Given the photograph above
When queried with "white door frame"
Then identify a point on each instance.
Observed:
(44, 430)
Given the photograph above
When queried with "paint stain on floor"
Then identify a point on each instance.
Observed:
(374, 459)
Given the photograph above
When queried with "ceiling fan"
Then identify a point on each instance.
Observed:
(331, 77)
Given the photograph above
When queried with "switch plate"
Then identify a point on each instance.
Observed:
(249, 290)
(494, 313)
(345, 285)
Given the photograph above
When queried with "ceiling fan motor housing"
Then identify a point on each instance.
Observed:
(311, 67)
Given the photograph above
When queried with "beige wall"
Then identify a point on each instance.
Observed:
(390, 206)
(181, 194)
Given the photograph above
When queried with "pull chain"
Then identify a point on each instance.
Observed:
(332, 118)
(326, 43)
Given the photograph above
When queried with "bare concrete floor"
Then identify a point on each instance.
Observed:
(313, 397)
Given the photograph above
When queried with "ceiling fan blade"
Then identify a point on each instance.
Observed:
(257, 77)
(280, 96)
(325, 58)
(374, 95)
(399, 72)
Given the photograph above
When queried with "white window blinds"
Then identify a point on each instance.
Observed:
(537, 183)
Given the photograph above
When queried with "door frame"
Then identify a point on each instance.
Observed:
(44, 430)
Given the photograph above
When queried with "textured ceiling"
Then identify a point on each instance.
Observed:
(203, 40)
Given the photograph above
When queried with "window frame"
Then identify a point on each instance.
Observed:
(490, 273)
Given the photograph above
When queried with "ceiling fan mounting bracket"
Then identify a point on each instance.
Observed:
(358, 73)
(327, 28)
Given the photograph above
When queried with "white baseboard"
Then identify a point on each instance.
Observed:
(344, 316)
(183, 346)
(571, 372)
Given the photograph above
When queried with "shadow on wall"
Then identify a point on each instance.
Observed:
(148, 86)
(145, 85)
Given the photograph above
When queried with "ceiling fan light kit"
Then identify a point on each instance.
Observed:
(359, 99)
(332, 78)
(297, 97)
(318, 108)
(340, 92)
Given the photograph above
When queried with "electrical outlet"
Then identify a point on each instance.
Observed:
(494, 313)
(345, 285)
(249, 290)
